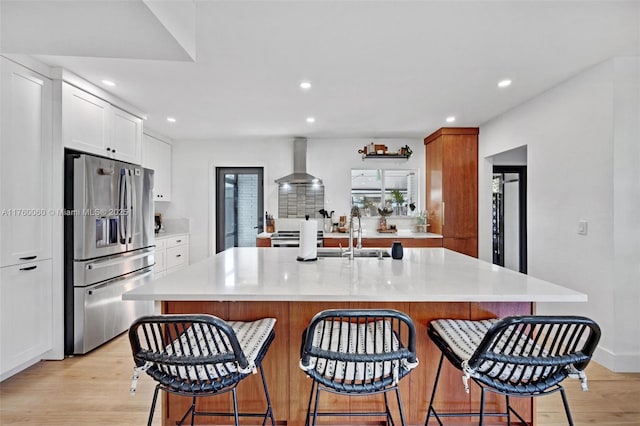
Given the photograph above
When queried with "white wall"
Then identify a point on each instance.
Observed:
(576, 134)
(194, 164)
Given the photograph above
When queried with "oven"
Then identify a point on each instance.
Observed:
(291, 239)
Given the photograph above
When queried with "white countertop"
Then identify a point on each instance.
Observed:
(160, 235)
(423, 275)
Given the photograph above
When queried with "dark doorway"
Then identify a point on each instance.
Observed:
(239, 206)
(509, 217)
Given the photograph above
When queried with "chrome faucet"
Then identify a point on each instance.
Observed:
(355, 212)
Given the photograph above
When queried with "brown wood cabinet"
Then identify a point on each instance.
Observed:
(406, 242)
(336, 242)
(385, 242)
(452, 187)
(263, 242)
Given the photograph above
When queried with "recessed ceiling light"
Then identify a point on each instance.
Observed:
(171, 119)
(305, 85)
(450, 119)
(504, 83)
(311, 120)
(108, 83)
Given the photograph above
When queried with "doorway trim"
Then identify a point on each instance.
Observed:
(522, 209)
(219, 196)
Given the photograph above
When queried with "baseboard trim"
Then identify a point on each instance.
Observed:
(618, 363)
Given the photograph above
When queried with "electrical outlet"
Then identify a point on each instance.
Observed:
(582, 227)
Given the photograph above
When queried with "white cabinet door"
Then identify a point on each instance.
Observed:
(156, 155)
(172, 254)
(127, 136)
(160, 255)
(86, 121)
(25, 165)
(177, 257)
(25, 314)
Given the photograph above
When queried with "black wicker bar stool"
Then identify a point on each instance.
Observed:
(356, 353)
(520, 356)
(199, 356)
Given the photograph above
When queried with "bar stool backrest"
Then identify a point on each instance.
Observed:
(188, 353)
(529, 354)
(359, 351)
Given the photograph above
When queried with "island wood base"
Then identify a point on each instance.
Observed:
(289, 387)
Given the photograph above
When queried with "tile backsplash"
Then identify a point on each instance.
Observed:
(298, 200)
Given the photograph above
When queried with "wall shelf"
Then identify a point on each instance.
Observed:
(384, 156)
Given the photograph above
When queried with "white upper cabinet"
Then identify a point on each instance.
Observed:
(127, 136)
(156, 155)
(85, 121)
(25, 165)
(90, 124)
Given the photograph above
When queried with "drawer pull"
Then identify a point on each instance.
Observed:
(178, 255)
(28, 258)
(29, 268)
(178, 241)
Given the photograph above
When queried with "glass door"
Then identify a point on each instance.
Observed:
(239, 206)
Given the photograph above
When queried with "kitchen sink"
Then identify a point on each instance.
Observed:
(337, 252)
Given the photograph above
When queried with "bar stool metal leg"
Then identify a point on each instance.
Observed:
(566, 406)
(433, 395)
(153, 406)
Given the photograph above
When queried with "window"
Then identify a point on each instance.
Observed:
(395, 189)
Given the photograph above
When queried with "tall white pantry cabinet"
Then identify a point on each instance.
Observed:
(25, 217)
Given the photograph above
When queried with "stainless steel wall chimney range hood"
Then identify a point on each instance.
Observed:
(299, 175)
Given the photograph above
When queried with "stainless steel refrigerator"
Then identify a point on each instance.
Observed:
(109, 247)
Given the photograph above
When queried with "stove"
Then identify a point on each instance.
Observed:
(291, 239)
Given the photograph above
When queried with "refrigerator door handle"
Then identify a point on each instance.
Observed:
(110, 262)
(97, 289)
(122, 206)
(131, 207)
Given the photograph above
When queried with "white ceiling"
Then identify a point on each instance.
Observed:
(378, 69)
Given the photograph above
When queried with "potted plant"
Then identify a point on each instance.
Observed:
(406, 151)
(398, 198)
(368, 205)
(384, 212)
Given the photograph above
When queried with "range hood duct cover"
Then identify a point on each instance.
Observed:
(299, 175)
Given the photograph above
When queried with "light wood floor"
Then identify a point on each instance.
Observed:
(94, 390)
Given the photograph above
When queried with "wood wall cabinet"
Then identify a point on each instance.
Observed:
(452, 187)
(156, 155)
(90, 124)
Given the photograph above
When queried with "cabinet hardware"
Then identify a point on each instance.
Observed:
(29, 268)
(28, 258)
(178, 255)
(178, 241)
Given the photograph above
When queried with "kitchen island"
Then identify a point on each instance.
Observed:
(428, 283)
